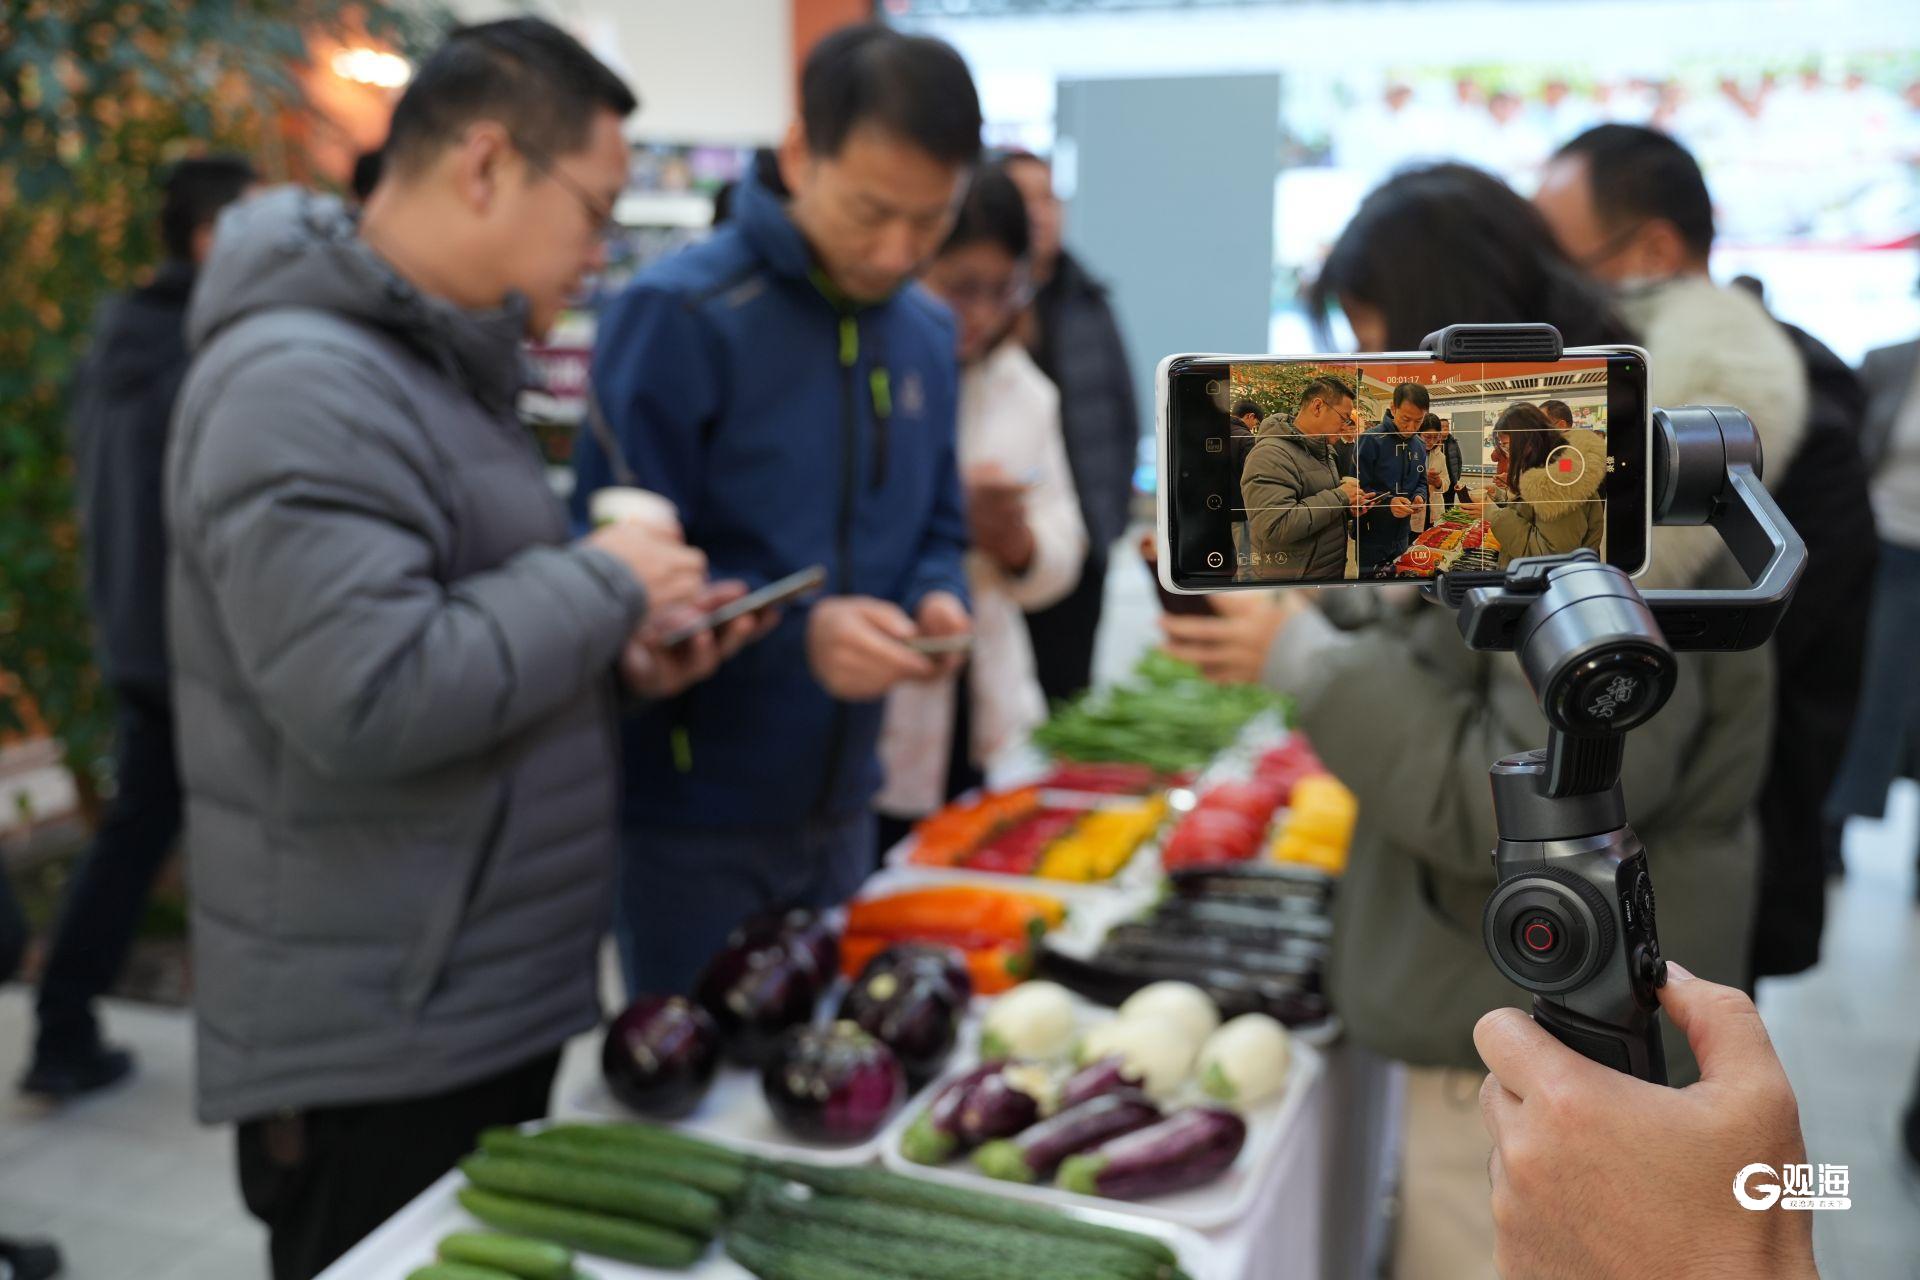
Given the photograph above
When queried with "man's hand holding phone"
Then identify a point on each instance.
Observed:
(1401, 507)
(1355, 496)
(655, 668)
(857, 647)
(945, 631)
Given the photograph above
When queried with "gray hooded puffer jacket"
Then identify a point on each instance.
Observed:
(393, 684)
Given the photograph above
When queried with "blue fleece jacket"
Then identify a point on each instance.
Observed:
(791, 429)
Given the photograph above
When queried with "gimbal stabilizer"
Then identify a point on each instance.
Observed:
(1572, 917)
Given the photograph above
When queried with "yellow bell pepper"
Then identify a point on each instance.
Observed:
(1102, 842)
(1318, 830)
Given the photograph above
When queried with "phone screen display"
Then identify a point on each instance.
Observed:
(1327, 469)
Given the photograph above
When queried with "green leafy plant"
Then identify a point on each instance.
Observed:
(96, 97)
(1276, 388)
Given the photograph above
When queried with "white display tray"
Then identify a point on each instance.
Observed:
(1225, 1200)
(408, 1239)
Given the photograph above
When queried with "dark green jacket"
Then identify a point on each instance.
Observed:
(1410, 719)
(1295, 510)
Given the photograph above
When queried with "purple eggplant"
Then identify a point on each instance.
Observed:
(833, 1084)
(1108, 1075)
(1001, 1105)
(755, 993)
(925, 959)
(807, 932)
(933, 1136)
(913, 1014)
(1037, 1151)
(659, 1056)
(1187, 1149)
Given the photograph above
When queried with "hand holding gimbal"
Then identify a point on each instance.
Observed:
(1572, 917)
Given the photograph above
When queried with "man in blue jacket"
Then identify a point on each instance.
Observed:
(1393, 469)
(791, 392)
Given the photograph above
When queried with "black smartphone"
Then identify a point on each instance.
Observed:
(1397, 466)
(793, 585)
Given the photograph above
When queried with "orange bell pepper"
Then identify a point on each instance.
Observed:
(955, 909)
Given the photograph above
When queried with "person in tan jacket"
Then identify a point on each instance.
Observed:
(1553, 505)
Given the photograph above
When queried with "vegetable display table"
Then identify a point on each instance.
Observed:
(1317, 1214)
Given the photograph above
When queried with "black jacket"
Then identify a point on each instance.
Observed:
(1819, 649)
(123, 397)
(1081, 351)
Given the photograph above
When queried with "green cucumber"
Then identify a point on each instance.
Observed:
(723, 1180)
(598, 1233)
(1016, 1250)
(517, 1255)
(977, 1260)
(771, 1261)
(891, 1188)
(458, 1271)
(645, 1137)
(670, 1204)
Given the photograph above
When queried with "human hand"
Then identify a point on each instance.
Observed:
(997, 517)
(942, 614)
(654, 669)
(1401, 507)
(658, 557)
(856, 647)
(1597, 1174)
(1350, 489)
(1230, 645)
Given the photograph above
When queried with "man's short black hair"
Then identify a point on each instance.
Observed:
(1411, 391)
(993, 213)
(1245, 407)
(525, 73)
(196, 191)
(915, 87)
(1329, 390)
(1556, 410)
(1636, 173)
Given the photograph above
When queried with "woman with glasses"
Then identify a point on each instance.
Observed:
(1028, 539)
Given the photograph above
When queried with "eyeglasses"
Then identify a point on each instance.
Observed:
(602, 215)
(1008, 295)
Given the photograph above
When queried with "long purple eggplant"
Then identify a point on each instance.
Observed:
(933, 1136)
(1187, 1149)
(1001, 1105)
(1036, 1152)
(1108, 1075)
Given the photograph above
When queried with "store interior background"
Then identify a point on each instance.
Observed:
(1208, 153)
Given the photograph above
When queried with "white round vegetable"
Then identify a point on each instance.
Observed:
(1245, 1062)
(1181, 1003)
(1153, 1048)
(1034, 1020)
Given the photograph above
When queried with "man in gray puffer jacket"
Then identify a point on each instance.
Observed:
(393, 672)
(1299, 506)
